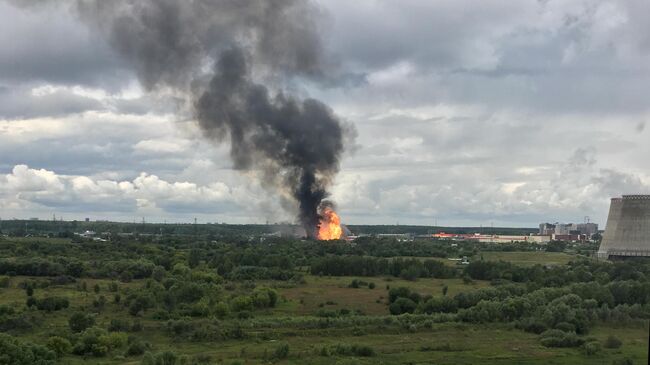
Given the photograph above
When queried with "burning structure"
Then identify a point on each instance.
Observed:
(628, 228)
(232, 65)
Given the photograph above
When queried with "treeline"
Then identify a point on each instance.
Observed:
(558, 314)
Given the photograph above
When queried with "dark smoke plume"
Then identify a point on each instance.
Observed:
(302, 139)
(229, 59)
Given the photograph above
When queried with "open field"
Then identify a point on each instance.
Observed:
(528, 257)
(306, 298)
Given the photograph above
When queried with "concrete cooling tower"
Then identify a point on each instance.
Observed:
(628, 228)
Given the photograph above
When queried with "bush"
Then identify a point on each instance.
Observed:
(112, 286)
(591, 348)
(362, 350)
(6, 310)
(59, 345)
(401, 292)
(91, 342)
(282, 351)
(137, 348)
(221, 310)
(402, 305)
(5, 281)
(557, 338)
(241, 303)
(612, 342)
(347, 350)
(114, 340)
(162, 358)
(436, 305)
(412, 273)
(79, 321)
(119, 325)
(15, 352)
(264, 298)
(48, 304)
(623, 361)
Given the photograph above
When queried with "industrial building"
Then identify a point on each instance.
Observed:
(492, 238)
(568, 229)
(628, 228)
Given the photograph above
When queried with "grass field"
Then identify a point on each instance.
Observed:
(528, 258)
(306, 298)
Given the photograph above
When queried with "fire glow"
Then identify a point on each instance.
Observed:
(329, 227)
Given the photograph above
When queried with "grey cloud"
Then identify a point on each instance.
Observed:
(20, 103)
(50, 45)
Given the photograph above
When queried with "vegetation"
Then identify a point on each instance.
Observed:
(219, 295)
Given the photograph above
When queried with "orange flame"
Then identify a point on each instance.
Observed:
(330, 225)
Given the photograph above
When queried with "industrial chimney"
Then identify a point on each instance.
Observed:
(628, 228)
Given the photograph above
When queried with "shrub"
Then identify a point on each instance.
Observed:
(221, 310)
(112, 286)
(264, 298)
(371, 285)
(15, 352)
(6, 310)
(612, 342)
(59, 345)
(158, 273)
(91, 342)
(623, 361)
(244, 315)
(179, 327)
(282, 351)
(557, 338)
(5, 281)
(326, 313)
(49, 304)
(162, 358)
(363, 350)
(591, 348)
(119, 325)
(412, 273)
(137, 347)
(79, 321)
(402, 305)
(241, 303)
(347, 350)
(114, 340)
(440, 304)
(401, 292)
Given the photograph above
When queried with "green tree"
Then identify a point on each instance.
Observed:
(59, 345)
(15, 352)
(79, 321)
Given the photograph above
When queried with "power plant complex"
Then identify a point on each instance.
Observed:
(628, 228)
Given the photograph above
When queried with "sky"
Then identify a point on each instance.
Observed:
(504, 113)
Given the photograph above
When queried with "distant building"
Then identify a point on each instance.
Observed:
(588, 229)
(564, 228)
(400, 237)
(568, 229)
(546, 229)
(539, 239)
(493, 238)
(569, 237)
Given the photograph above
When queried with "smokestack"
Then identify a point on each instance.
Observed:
(296, 143)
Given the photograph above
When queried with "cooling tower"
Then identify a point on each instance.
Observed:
(628, 228)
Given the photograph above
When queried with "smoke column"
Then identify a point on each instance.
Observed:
(229, 60)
